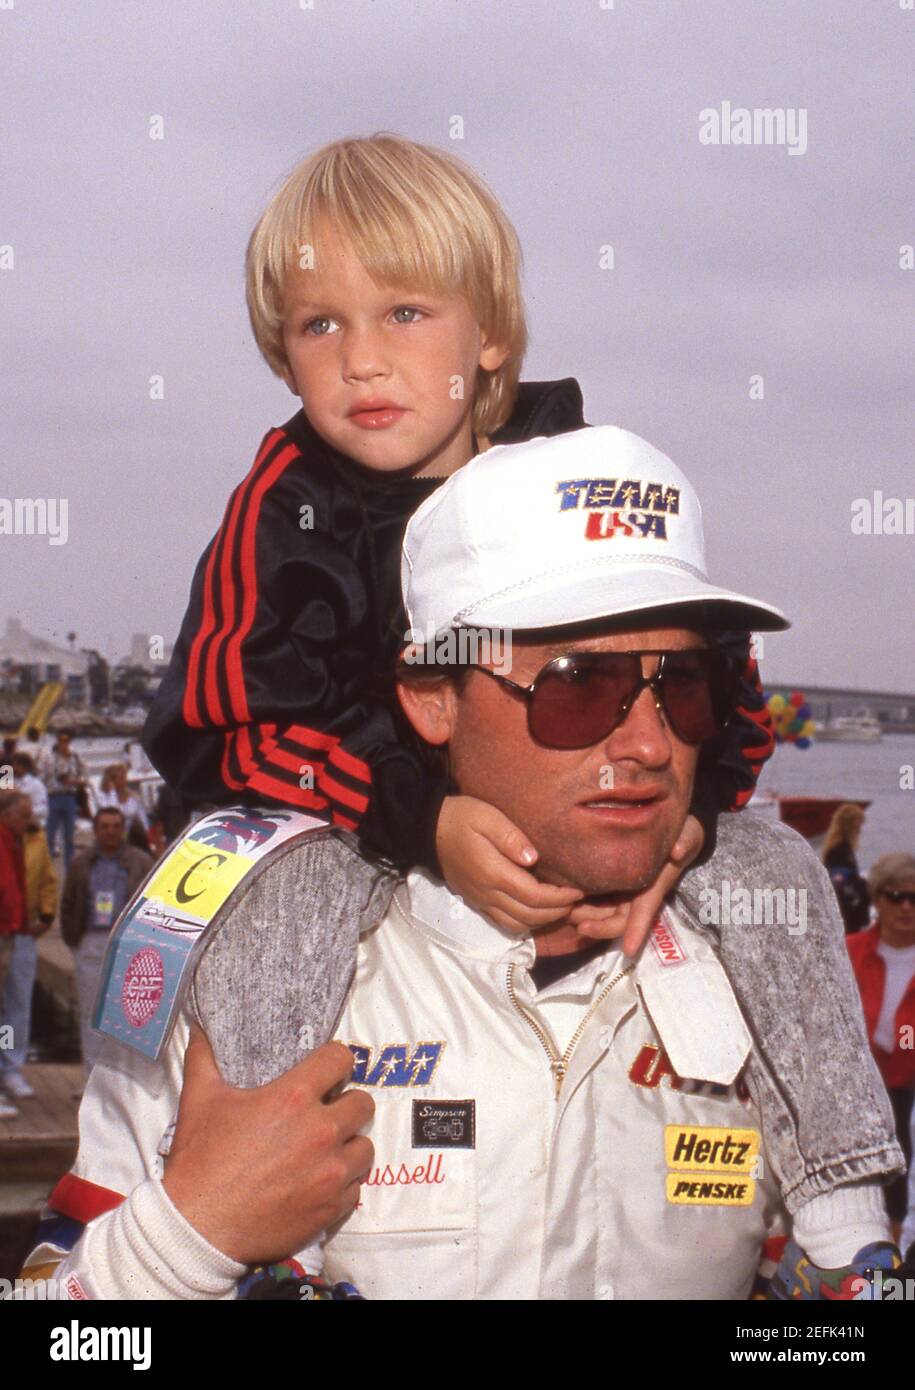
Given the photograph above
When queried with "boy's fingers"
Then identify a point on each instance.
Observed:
(636, 935)
(505, 836)
(530, 892)
(516, 846)
(525, 918)
(602, 929)
(594, 912)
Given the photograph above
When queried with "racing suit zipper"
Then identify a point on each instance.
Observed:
(559, 1065)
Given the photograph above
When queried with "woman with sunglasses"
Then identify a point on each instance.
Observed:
(883, 959)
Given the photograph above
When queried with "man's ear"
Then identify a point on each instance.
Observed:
(431, 707)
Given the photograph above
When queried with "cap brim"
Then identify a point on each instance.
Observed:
(565, 600)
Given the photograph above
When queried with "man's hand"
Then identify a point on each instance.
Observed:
(480, 851)
(633, 918)
(260, 1172)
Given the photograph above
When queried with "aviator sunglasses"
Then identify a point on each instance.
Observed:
(577, 700)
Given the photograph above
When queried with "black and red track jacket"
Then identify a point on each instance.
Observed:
(280, 687)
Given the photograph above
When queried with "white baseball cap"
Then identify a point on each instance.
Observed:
(596, 523)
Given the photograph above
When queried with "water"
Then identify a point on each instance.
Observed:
(865, 771)
(852, 771)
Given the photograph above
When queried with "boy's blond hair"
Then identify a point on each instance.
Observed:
(414, 215)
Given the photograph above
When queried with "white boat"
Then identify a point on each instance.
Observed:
(850, 728)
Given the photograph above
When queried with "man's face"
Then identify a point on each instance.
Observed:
(351, 343)
(604, 818)
(109, 833)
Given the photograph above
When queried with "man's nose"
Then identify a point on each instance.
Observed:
(364, 354)
(644, 735)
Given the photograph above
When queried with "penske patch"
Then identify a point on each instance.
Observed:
(716, 1190)
(705, 1148)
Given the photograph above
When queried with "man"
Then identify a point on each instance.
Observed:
(41, 905)
(31, 746)
(550, 1120)
(63, 774)
(15, 816)
(98, 884)
(34, 788)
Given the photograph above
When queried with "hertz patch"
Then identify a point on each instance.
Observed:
(703, 1148)
(716, 1190)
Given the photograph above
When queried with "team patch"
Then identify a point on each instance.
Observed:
(718, 1190)
(623, 508)
(444, 1124)
(700, 1148)
(666, 945)
(397, 1064)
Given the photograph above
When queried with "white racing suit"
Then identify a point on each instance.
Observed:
(593, 1140)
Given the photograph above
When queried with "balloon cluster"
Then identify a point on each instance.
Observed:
(791, 719)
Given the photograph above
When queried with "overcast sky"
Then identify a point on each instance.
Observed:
(730, 262)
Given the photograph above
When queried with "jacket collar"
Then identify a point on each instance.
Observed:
(680, 979)
(542, 407)
(446, 917)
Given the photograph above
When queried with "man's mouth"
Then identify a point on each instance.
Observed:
(621, 796)
(626, 807)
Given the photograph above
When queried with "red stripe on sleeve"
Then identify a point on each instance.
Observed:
(343, 795)
(227, 777)
(346, 762)
(293, 762)
(221, 559)
(288, 793)
(191, 710)
(234, 672)
(83, 1200)
(310, 738)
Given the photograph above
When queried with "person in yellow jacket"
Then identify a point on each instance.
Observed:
(41, 889)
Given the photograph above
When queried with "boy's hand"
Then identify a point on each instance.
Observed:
(634, 918)
(480, 850)
(259, 1172)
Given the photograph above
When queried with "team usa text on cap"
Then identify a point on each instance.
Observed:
(646, 505)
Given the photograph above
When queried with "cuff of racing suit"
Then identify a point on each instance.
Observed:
(145, 1249)
(833, 1227)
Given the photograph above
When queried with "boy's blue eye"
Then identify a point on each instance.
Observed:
(407, 309)
(314, 327)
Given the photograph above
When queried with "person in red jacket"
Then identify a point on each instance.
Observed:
(883, 959)
(15, 817)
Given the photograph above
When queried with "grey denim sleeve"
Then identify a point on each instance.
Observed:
(826, 1115)
(272, 981)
